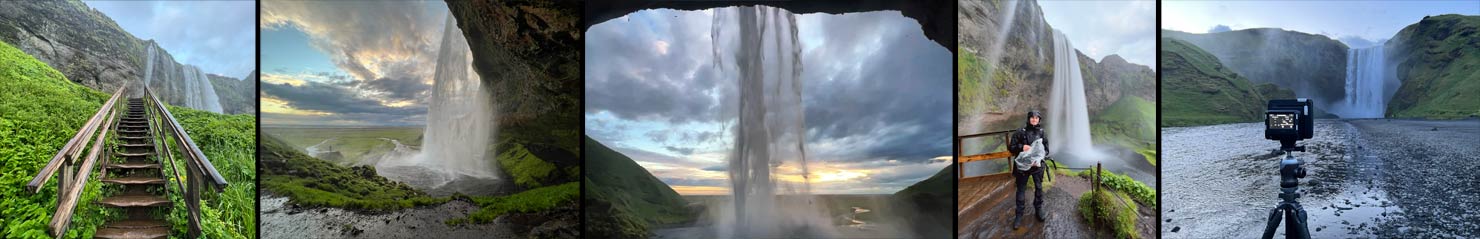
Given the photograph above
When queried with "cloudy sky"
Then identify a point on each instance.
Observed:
(1348, 21)
(218, 36)
(369, 63)
(1103, 28)
(876, 92)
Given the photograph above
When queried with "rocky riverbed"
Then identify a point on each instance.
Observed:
(1366, 178)
(282, 220)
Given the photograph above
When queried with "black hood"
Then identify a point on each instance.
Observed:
(1029, 121)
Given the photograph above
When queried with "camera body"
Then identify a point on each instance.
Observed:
(1288, 121)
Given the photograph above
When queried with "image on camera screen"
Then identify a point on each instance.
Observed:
(1281, 121)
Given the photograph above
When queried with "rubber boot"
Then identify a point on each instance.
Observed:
(1039, 210)
(1017, 220)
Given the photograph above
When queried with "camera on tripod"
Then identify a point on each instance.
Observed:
(1289, 121)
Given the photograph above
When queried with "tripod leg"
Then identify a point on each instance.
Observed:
(1296, 228)
(1274, 222)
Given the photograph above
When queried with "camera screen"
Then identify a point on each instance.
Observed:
(1281, 121)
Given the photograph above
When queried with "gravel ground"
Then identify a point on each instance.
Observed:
(283, 221)
(1367, 178)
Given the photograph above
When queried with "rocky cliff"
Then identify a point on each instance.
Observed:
(91, 49)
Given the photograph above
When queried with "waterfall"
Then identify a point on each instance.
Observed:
(761, 43)
(149, 66)
(460, 125)
(199, 94)
(1067, 119)
(1365, 93)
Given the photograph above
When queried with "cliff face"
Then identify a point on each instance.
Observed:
(92, 50)
(1313, 66)
(996, 95)
(1438, 59)
(238, 96)
(1199, 90)
(529, 54)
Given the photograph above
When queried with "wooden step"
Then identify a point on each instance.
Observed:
(133, 165)
(143, 145)
(124, 131)
(127, 154)
(132, 229)
(134, 180)
(132, 137)
(134, 200)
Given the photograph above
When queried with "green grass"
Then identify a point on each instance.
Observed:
(624, 200)
(355, 144)
(1198, 90)
(534, 200)
(312, 182)
(1129, 122)
(39, 111)
(1441, 80)
(1115, 210)
(228, 142)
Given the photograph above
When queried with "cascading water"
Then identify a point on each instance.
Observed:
(1365, 93)
(1068, 115)
(761, 43)
(199, 94)
(460, 124)
(149, 66)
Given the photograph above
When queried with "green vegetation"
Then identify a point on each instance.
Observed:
(1137, 190)
(42, 110)
(623, 200)
(353, 144)
(1198, 90)
(1113, 210)
(526, 169)
(976, 95)
(227, 141)
(312, 182)
(1440, 80)
(534, 200)
(1311, 63)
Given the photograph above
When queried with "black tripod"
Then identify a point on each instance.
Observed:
(1290, 174)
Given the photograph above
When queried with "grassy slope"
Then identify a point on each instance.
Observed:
(930, 203)
(309, 181)
(623, 200)
(41, 111)
(227, 141)
(1198, 90)
(1442, 72)
(355, 144)
(1129, 122)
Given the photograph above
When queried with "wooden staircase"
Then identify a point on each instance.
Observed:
(143, 181)
(144, 136)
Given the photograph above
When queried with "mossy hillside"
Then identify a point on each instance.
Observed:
(1112, 210)
(1311, 65)
(42, 110)
(527, 170)
(533, 200)
(624, 200)
(312, 182)
(1197, 90)
(1440, 69)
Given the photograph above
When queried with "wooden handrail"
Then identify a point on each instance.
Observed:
(962, 159)
(69, 187)
(72, 146)
(187, 145)
(196, 163)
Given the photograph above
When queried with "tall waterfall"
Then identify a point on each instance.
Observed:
(198, 92)
(1365, 75)
(460, 125)
(1068, 115)
(761, 43)
(149, 66)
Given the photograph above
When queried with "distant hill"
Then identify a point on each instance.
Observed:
(1440, 69)
(1313, 66)
(930, 205)
(623, 200)
(1198, 90)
